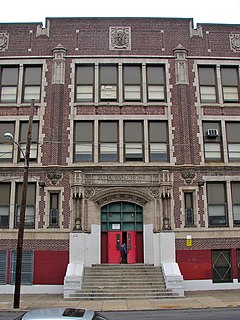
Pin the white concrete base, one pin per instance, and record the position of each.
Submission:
(199, 285)
(173, 277)
(73, 279)
(33, 289)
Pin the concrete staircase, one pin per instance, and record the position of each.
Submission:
(108, 282)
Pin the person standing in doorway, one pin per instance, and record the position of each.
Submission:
(123, 253)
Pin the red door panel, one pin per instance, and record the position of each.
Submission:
(114, 247)
(104, 247)
(131, 247)
(139, 247)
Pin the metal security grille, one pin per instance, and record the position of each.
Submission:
(238, 264)
(27, 267)
(221, 266)
(3, 267)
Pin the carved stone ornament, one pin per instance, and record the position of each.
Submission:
(235, 41)
(54, 176)
(120, 38)
(4, 40)
(188, 176)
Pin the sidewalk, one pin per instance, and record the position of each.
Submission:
(193, 299)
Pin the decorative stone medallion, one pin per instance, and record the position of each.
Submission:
(235, 41)
(4, 39)
(120, 38)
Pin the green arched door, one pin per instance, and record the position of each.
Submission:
(121, 222)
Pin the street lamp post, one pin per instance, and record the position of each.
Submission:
(26, 156)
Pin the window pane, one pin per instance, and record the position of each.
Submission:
(9, 94)
(207, 76)
(155, 75)
(236, 213)
(133, 152)
(31, 93)
(230, 94)
(158, 152)
(108, 152)
(132, 74)
(109, 92)
(212, 151)
(33, 151)
(85, 75)
(6, 127)
(234, 152)
(229, 76)
(208, 94)
(6, 152)
(84, 131)
(30, 193)
(132, 93)
(133, 131)
(108, 131)
(156, 93)
(157, 131)
(108, 74)
(29, 216)
(84, 93)
(83, 152)
(9, 76)
(33, 76)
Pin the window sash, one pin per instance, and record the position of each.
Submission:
(33, 151)
(29, 216)
(31, 92)
(132, 92)
(217, 214)
(84, 93)
(4, 215)
(234, 151)
(230, 94)
(133, 151)
(108, 92)
(158, 152)
(108, 152)
(212, 151)
(156, 92)
(84, 151)
(208, 94)
(6, 152)
(8, 94)
(236, 213)
(3, 266)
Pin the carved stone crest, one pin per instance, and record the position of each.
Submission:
(54, 176)
(188, 176)
(4, 39)
(235, 41)
(120, 38)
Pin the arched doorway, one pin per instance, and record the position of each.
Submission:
(121, 222)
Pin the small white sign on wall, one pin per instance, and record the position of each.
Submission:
(116, 226)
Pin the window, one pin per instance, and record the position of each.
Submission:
(236, 202)
(133, 140)
(23, 139)
(230, 84)
(32, 83)
(9, 84)
(3, 266)
(132, 83)
(217, 206)
(27, 267)
(5, 189)
(233, 140)
(6, 147)
(83, 141)
(108, 148)
(84, 83)
(221, 266)
(158, 141)
(30, 205)
(54, 209)
(108, 83)
(189, 210)
(207, 80)
(155, 83)
(212, 141)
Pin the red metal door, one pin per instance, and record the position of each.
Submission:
(114, 247)
(131, 247)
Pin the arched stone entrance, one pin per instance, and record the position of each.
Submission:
(121, 223)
